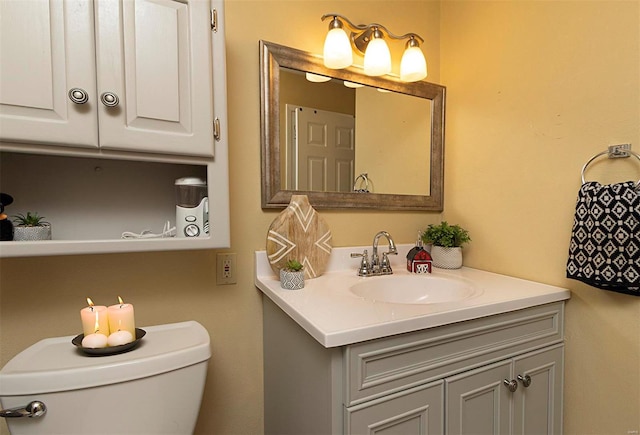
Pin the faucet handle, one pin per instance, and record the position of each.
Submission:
(364, 254)
(385, 265)
(364, 269)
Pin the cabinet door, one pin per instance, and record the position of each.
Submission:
(155, 57)
(478, 402)
(47, 49)
(538, 406)
(416, 411)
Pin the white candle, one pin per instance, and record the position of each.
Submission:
(119, 338)
(94, 319)
(121, 318)
(94, 341)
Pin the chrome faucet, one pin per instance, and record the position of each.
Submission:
(375, 266)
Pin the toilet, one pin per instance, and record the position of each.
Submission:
(155, 388)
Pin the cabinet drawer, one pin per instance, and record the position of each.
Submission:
(387, 365)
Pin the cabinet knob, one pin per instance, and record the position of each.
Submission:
(78, 96)
(512, 385)
(109, 99)
(526, 380)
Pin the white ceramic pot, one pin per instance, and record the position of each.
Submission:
(446, 258)
(23, 233)
(291, 280)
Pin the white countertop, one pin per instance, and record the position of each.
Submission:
(334, 316)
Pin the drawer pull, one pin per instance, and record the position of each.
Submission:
(526, 380)
(512, 385)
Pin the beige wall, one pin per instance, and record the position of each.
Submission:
(40, 297)
(535, 88)
(400, 123)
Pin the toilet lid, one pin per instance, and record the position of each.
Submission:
(55, 364)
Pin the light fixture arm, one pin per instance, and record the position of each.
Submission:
(361, 34)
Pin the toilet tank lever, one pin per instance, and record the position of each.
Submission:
(34, 409)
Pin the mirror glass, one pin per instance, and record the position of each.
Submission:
(349, 140)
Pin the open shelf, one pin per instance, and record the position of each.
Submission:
(90, 202)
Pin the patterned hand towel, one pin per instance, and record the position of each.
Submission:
(605, 239)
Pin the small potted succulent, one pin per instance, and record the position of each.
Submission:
(292, 275)
(446, 241)
(31, 227)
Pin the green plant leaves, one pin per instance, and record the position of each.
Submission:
(293, 265)
(30, 220)
(445, 235)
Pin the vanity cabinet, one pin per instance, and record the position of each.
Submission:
(118, 75)
(447, 379)
(481, 400)
(417, 410)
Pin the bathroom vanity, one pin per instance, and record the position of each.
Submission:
(338, 360)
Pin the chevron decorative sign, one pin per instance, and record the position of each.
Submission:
(299, 233)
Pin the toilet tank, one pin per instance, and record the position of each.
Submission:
(156, 388)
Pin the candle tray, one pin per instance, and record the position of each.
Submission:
(109, 350)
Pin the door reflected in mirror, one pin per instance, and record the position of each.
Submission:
(335, 132)
(348, 140)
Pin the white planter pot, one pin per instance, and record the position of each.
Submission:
(22, 233)
(291, 280)
(446, 258)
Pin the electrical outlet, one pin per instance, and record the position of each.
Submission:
(226, 269)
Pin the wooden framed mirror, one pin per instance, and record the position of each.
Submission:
(404, 164)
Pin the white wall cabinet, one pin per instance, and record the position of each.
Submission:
(448, 379)
(125, 75)
(137, 87)
(47, 50)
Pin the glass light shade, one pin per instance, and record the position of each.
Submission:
(353, 85)
(316, 78)
(337, 49)
(377, 58)
(413, 66)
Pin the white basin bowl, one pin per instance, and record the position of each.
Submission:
(414, 289)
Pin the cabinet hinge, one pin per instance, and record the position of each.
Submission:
(216, 129)
(214, 20)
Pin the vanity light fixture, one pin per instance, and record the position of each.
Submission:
(369, 40)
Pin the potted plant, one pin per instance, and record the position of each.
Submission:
(292, 275)
(31, 227)
(446, 241)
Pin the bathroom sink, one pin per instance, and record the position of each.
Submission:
(414, 289)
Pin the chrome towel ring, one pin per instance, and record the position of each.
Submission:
(614, 151)
(363, 187)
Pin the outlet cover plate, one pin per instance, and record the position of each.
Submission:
(226, 269)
